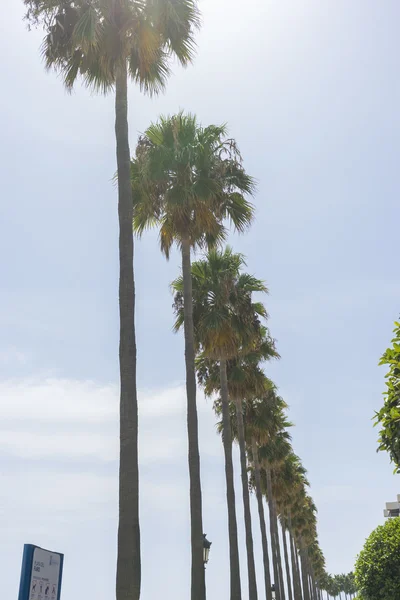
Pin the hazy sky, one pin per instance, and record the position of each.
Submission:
(310, 90)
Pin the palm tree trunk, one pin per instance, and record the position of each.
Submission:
(296, 590)
(198, 590)
(309, 578)
(236, 593)
(299, 577)
(251, 567)
(295, 573)
(273, 538)
(278, 581)
(285, 551)
(306, 588)
(313, 589)
(257, 474)
(278, 548)
(313, 584)
(128, 559)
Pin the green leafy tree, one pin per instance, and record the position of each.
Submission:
(388, 418)
(377, 571)
(187, 180)
(105, 43)
(352, 584)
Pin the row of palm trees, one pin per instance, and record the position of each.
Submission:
(232, 344)
(190, 182)
(337, 586)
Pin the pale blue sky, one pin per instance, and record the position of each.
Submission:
(311, 92)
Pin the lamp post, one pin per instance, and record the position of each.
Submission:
(206, 549)
(273, 591)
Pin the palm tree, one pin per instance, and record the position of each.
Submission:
(187, 180)
(243, 386)
(291, 478)
(304, 521)
(272, 455)
(298, 595)
(286, 558)
(105, 42)
(298, 510)
(316, 566)
(290, 484)
(246, 381)
(226, 322)
(264, 417)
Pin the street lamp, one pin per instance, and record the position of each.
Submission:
(273, 591)
(206, 549)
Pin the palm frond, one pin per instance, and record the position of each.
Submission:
(87, 31)
(146, 34)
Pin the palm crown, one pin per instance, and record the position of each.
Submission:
(91, 38)
(188, 179)
(225, 317)
(246, 378)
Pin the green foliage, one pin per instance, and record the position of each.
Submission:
(389, 415)
(378, 565)
(226, 319)
(93, 39)
(189, 180)
(335, 585)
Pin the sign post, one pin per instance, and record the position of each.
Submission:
(41, 574)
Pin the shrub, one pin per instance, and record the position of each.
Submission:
(378, 565)
(389, 415)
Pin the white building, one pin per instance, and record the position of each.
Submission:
(392, 508)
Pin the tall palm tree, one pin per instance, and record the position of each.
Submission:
(285, 484)
(290, 491)
(246, 381)
(304, 521)
(291, 482)
(226, 321)
(188, 180)
(272, 456)
(303, 535)
(264, 417)
(298, 594)
(286, 559)
(106, 42)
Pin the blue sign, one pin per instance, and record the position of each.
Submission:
(41, 574)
